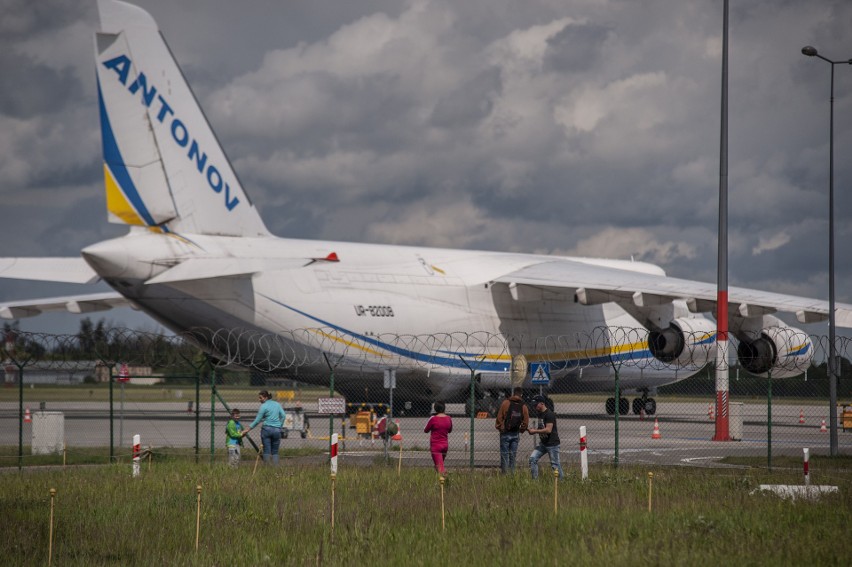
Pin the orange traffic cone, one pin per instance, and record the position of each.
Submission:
(801, 416)
(656, 433)
(710, 412)
(823, 428)
(398, 436)
(28, 418)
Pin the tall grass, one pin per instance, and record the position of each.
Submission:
(281, 517)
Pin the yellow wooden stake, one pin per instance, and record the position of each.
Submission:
(333, 479)
(399, 466)
(443, 525)
(555, 491)
(198, 518)
(650, 486)
(256, 461)
(50, 544)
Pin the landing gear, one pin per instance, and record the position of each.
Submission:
(646, 403)
(623, 406)
(487, 404)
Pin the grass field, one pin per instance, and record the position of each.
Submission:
(282, 517)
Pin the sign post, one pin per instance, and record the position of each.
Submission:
(540, 372)
(123, 378)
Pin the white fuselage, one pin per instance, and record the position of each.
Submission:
(427, 312)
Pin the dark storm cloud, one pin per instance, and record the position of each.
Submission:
(588, 128)
(32, 89)
(470, 103)
(576, 48)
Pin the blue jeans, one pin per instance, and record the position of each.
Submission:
(508, 450)
(539, 452)
(271, 439)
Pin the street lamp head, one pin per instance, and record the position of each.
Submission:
(809, 51)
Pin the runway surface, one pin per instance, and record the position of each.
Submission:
(686, 432)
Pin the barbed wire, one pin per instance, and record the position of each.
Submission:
(783, 351)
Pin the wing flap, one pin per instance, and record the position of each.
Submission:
(66, 270)
(73, 304)
(595, 283)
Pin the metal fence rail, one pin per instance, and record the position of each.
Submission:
(176, 395)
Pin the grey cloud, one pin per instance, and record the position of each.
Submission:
(576, 48)
(470, 103)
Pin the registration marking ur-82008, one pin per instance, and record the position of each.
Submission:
(374, 311)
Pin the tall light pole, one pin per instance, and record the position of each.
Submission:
(722, 370)
(832, 348)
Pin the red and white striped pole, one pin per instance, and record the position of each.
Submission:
(584, 458)
(136, 453)
(333, 474)
(334, 454)
(807, 471)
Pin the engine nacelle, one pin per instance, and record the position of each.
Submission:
(685, 342)
(785, 351)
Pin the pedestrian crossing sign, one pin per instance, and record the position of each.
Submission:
(540, 372)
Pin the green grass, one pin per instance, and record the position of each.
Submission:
(282, 516)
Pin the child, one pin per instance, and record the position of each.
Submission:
(441, 425)
(234, 438)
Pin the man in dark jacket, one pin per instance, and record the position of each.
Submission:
(512, 420)
(548, 437)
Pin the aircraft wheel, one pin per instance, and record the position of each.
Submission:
(623, 406)
(610, 406)
(304, 434)
(284, 434)
(637, 405)
(651, 406)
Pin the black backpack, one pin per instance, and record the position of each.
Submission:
(514, 417)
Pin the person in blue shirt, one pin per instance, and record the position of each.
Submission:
(272, 415)
(234, 438)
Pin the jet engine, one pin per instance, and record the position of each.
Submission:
(685, 342)
(783, 351)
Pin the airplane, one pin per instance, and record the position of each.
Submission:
(197, 256)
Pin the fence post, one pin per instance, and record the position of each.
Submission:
(198, 373)
(111, 417)
(212, 414)
(769, 420)
(20, 416)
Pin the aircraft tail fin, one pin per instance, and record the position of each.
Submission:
(163, 166)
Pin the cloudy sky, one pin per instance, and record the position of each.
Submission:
(585, 127)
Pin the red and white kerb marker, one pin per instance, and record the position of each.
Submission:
(136, 452)
(334, 453)
(807, 471)
(584, 458)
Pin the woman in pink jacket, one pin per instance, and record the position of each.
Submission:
(440, 425)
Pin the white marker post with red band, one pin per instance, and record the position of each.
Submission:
(136, 454)
(334, 454)
(333, 473)
(807, 470)
(584, 458)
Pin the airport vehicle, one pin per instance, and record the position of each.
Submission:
(198, 256)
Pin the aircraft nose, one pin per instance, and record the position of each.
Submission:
(109, 259)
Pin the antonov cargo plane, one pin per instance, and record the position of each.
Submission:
(198, 255)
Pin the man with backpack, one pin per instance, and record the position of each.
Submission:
(512, 419)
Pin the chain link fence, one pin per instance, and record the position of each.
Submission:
(642, 396)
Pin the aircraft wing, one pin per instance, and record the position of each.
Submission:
(67, 270)
(73, 304)
(600, 284)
